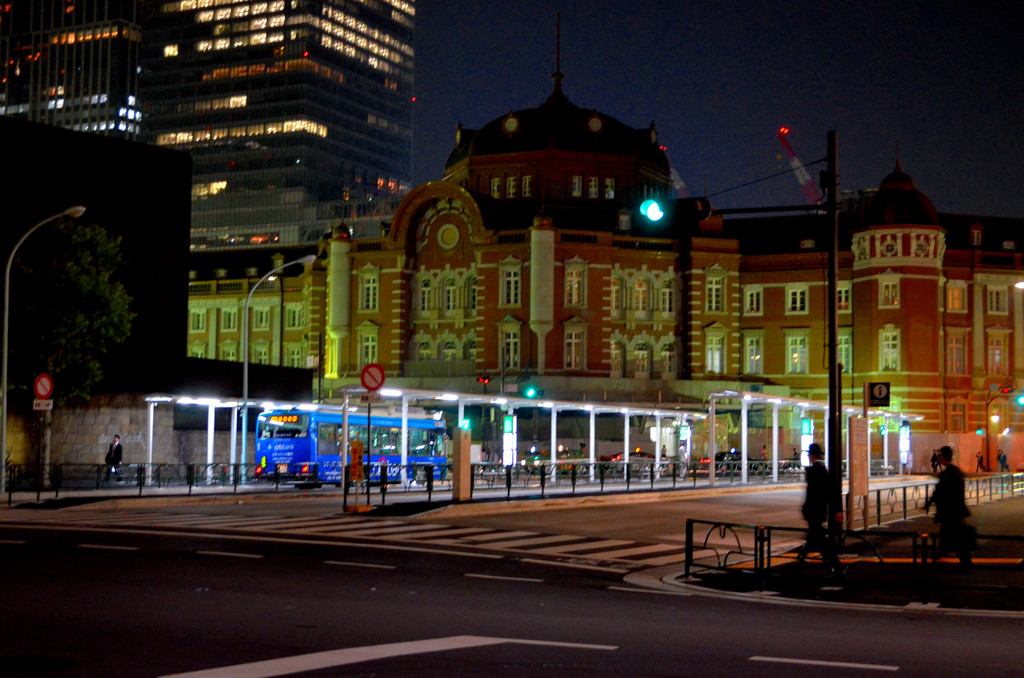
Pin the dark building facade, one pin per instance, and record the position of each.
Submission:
(72, 64)
(296, 114)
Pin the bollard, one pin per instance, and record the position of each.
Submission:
(600, 470)
(651, 470)
(629, 474)
(56, 478)
(383, 481)
(430, 481)
(572, 474)
(508, 482)
(689, 546)
(542, 476)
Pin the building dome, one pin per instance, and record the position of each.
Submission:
(899, 202)
(558, 125)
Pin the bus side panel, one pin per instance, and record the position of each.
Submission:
(329, 468)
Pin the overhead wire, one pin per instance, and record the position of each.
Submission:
(765, 178)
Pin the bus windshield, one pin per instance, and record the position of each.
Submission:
(284, 426)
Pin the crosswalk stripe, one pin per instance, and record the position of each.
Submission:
(498, 535)
(536, 541)
(640, 550)
(582, 548)
(375, 529)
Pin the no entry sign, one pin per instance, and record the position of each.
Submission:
(372, 377)
(43, 386)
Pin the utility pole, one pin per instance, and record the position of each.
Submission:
(835, 393)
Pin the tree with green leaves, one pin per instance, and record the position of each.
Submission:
(68, 311)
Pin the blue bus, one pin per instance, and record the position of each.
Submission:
(295, 444)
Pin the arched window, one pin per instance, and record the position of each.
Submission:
(641, 295)
(446, 351)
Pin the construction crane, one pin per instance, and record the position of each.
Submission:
(811, 190)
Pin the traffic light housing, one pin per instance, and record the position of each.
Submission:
(1006, 389)
(484, 379)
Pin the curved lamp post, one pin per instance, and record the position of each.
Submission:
(72, 212)
(308, 259)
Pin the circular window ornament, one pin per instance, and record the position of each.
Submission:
(511, 124)
(448, 236)
(594, 123)
(889, 247)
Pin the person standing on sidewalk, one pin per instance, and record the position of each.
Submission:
(113, 459)
(951, 511)
(815, 512)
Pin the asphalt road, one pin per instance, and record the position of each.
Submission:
(153, 602)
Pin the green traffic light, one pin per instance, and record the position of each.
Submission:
(652, 210)
(1020, 400)
(464, 425)
(531, 391)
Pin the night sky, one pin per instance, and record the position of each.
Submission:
(942, 81)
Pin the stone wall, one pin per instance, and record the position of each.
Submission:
(81, 435)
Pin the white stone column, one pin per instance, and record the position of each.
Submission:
(339, 295)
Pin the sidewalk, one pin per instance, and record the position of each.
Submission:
(995, 585)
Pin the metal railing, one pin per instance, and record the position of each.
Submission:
(747, 550)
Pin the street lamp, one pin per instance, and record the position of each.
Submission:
(73, 212)
(308, 259)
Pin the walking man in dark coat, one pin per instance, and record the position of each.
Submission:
(951, 510)
(815, 511)
(113, 459)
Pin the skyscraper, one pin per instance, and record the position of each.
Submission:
(297, 113)
(72, 64)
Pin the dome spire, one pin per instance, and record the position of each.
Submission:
(557, 76)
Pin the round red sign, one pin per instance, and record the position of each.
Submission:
(43, 386)
(372, 377)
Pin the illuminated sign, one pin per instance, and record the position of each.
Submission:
(904, 443)
(285, 418)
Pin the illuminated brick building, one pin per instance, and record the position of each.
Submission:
(531, 264)
(296, 114)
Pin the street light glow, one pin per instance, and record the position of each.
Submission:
(308, 259)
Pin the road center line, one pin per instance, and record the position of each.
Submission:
(354, 655)
(371, 565)
(229, 554)
(815, 662)
(494, 576)
(108, 547)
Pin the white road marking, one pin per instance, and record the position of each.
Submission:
(108, 547)
(372, 565)
(578, 566)
(681, 594)
(494, 576)
(815, 662)
(230, 554)
(355, 655)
